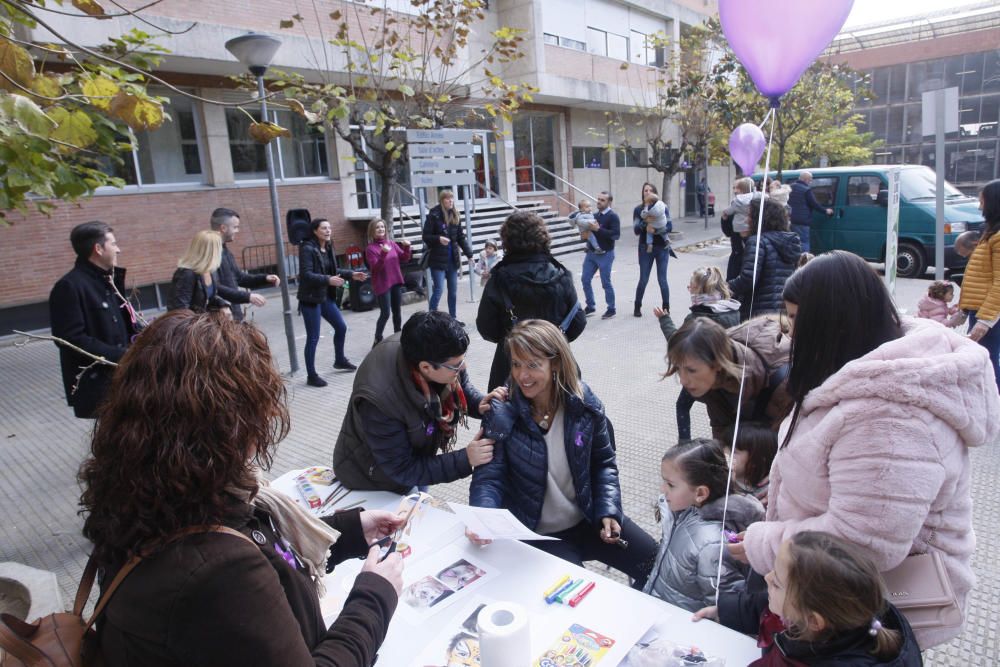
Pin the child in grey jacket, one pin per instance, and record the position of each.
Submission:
(691, 508)
(582, 219)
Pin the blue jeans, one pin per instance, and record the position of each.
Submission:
(991, 341)
(803, 232)
(390, 301)
(311, 314)
(438, 277)
(593, 263)
(661, 256)
(683, 409)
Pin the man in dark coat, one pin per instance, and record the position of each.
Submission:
(803, 202)
(87, 308)
(234, 283)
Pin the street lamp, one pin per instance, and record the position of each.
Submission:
(255, 51)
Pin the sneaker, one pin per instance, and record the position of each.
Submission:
(344, 365)
(609, 313)
(589, 310)
(315, 381)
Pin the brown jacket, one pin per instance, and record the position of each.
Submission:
(215, 600)
(981, 283)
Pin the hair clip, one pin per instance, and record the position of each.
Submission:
(876, 626)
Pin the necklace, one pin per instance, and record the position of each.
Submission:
(543, 423)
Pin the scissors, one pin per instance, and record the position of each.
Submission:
(389, 542)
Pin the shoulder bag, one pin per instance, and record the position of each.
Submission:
(921, 590)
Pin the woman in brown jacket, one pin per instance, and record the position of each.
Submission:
(980, 297)
(195, 406)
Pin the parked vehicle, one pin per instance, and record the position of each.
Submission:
(859, 199)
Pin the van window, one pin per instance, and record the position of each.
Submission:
(863, 190)
(825, 190)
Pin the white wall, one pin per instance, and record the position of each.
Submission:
(570, 18)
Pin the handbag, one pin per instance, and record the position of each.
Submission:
(920, 588)
(64, 639)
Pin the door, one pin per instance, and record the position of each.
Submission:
(824, 228)
(862, 221)
(487, 179)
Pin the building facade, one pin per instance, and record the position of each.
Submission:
(553, 150)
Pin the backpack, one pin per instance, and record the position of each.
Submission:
(64, 639)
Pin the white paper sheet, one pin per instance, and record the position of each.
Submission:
(494, 524)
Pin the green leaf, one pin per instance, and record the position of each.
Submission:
(26, 114)
(406, 90)
(72, 127)
(100, 90)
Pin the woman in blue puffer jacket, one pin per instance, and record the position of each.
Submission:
(554, 463)
(780, 249)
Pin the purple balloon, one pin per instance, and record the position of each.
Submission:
(776, 42)
(746, 145)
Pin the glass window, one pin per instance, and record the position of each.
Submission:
(894, 134)
(916, 184)
(968, 116)
(964, 169)
(989, 109)
(880, 85)
(617, 46)
(861, 79)
(588, 157)
(878, 122)
(550, 39)
(572, 44)
(638, 51)
(913, 129)
(972, 74)
(633, 157)
(863, 190)
(953, 68)
(916, 73)
(534, 144)
(991, 71)
(304, 154)
(825, 190)
(248, 156)
(897, 83)
(597, 42)
(987, 160)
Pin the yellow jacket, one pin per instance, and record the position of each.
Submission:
(981, 284)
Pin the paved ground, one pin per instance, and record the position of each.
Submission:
(42, 445)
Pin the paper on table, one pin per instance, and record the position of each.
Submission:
(494, 524)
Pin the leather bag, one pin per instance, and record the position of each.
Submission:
(921, 589)
(64, 639)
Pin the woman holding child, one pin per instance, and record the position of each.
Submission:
(651, 223)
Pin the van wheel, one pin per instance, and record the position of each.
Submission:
(910, 261)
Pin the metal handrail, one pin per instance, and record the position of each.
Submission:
(558, 179)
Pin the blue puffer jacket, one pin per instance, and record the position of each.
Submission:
(779, 254)
(515, 478)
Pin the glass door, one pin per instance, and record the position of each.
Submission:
(485, 146)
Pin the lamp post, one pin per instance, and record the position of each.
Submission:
(255, 52)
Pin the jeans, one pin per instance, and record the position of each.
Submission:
(583, 542)
(735, 264)
(311, 314)
(438, 277)
(391, 300)
(661, 256)
(803, 232)
(593, 263)
(991, 341)
(683, 409)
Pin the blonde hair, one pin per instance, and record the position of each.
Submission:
(370, 233)
(582, 203)
(450, 215)
(204, 253)
(709, 280)
(540, 338)
(744, 185)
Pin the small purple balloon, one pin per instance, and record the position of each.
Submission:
(776, 42)
(746, 145)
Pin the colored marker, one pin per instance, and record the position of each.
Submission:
(565, 594)
(559, 584)
(562, 589)
(582, 594)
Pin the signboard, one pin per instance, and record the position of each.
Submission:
(928, 112)
(438, 150)
(442, 180)
(455, 136)
(442, 164)
(892, 231)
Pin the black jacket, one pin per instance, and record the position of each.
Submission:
(779, 255)
(803, 202)
(214, 599)
(232, 280)
(539, 287)
(85, 311)
(315, 268)
(516, 477)
(610, 231)
(191, 292)
(434, 228)
(639, 227)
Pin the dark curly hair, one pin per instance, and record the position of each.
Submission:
(195, 402)
(524, 233)
(939, 289)
(775, 216)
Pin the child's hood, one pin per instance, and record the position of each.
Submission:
(741, 512)
(722, 305)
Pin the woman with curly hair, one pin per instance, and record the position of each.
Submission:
(527, 283)
(195, 406)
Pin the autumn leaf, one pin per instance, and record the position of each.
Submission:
(138, 113)
(90, 8)
(46, 86)
(264, 133)
(301, 110)
(100, 90)
(286, 23)
(16, 64)
(72, 127)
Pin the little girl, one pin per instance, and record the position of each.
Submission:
(487, 259)
(710, 297)
(691, 507)
(823, 606)
(582, 219)
(936, 304)
(754, 451)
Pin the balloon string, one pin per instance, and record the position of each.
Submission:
(746, 344)
(770, 112)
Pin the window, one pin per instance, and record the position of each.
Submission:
(550, 39)
(572, 44)
(825, 190)
(639, 50)
(303, 155)
(534, 145)
(617, 46)
(897, 83)
(632, 157)
(863, 190)
(589, 158)
(895, 133)
(602, 43)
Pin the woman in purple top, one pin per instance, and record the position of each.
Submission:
(385, 257)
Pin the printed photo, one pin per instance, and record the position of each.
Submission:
(459, 574)
(425, 593)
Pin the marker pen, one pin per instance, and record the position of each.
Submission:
(562, 589)
(564, 596)
(582, 594)
(559, 584)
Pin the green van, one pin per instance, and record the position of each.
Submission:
(859, 198)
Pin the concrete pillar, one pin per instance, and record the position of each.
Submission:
(215, 136)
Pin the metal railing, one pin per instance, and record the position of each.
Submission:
(558, 179)
(261, 258)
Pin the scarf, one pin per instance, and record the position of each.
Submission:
(448, 409)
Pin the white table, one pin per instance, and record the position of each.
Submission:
(519, 573)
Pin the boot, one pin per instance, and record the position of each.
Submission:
(638, 309)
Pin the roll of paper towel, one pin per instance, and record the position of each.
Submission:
(504, 635)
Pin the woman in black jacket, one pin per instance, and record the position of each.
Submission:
(527, 283)
(318, 278)
(196, 280)
(780, 249)
(444, 238)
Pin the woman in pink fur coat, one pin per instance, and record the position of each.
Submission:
(876, 449)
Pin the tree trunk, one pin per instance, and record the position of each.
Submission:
(665, 188)
(385, 196)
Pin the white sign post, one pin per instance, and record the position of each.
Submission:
(939, 116)
(444, 158)
(892, 231)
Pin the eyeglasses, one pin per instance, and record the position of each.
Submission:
(453, 369)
